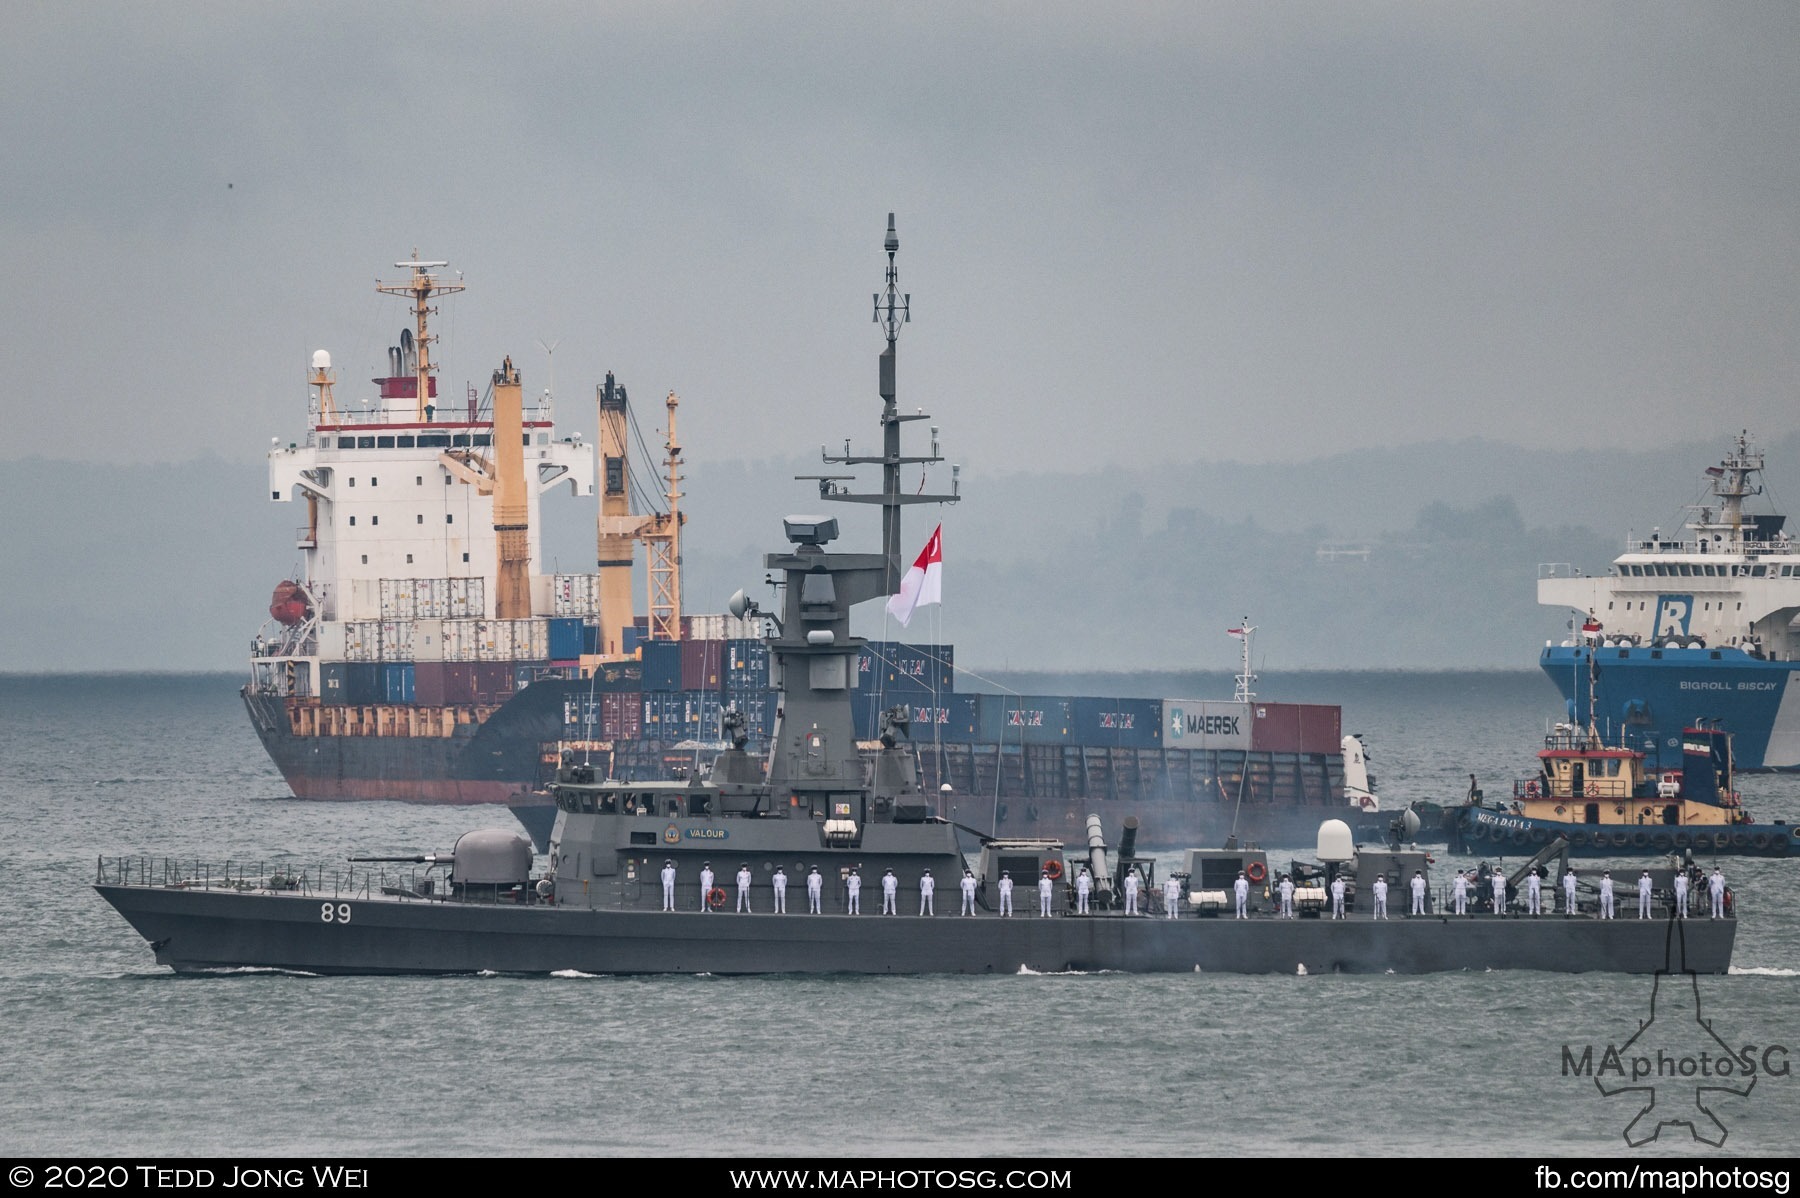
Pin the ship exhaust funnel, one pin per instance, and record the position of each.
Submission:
(512, 514)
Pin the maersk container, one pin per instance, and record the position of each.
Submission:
(662, 665)
(1023, 719)
(397, 682)
(702, 665)
(1117, 723)
(1216, 724)
(1297, 728)
(565, 637)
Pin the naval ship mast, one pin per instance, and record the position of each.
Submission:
(813, 757)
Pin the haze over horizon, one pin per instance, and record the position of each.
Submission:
(1141, 242)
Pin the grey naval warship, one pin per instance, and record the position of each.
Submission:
(818, 808)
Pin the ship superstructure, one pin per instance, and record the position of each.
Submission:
(420, 583)
(1693, 628)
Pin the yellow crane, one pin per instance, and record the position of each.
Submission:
(619, 529)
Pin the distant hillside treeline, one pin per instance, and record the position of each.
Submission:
(169, 567)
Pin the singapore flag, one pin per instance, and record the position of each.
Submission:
(924, 583)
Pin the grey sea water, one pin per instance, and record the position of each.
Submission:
(106, 1054)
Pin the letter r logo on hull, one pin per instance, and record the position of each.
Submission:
(1672, 615)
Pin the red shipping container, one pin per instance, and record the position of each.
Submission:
(702, 665)
(1296, 728)
(430, 683)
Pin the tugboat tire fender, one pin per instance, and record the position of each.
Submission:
(1780, 846)
(1740, 840)
(1620, 839)
(1578, 840)
(1760, 840)
(1681, 840)
(1518, 836)
(1540, 836)
(1661, 842)
(1640, 840)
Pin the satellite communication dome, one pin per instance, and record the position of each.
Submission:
(321, 359)
(1335, 841)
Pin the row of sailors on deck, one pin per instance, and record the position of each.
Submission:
(711, 896)
(1463, 883)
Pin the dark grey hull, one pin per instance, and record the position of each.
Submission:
(194, 931)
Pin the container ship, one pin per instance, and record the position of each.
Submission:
(1689, 630)
(420, 656)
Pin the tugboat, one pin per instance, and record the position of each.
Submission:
(1612, 800)
(686, 877)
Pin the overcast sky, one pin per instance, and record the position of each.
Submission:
(1132, 233)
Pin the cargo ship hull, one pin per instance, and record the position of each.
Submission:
(1656, 692)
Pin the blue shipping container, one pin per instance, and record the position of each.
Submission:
(662, 665)
(746, 665)
(1024, 719)
(333, 680)
(891, 666)
(397, 682)
(363, 683)
(566, 637)
(1118, 723)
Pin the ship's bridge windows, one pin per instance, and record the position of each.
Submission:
(460, 439)
(365, 442)
(384, 442)
(484, 439)
(434, 441)
(346, 442)
(1758, 571)
(405, 442)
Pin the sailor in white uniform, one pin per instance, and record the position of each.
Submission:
(1568, 881)
(706, 886)
(1380, 889)
(890, 893)
(1005, 893)
(1606, 894)
(1459, 890)
(778, 884)
(1337, 897)
(1418, 893)
(1681, 894)
(1286, 890)
(1644, 895)
(1172, 897)
(968, 893)
(743, 881)
(815, 886)
(1534, 893)
(1131, 892)
(668, 881)
(1045, 889)
(1715, 886)
(853, 893)
(927, 888)
(1499, 883)
(1240, 890)
(1084, 886)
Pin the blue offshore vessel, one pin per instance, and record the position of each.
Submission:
(1693, 629)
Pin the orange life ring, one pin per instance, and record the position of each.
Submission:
(715, 897)
(1367, 802)
(1255, 871)
(1531, 789)
(1054, 869)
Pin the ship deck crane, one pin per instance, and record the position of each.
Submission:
(619, 529)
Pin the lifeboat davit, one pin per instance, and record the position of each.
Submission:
(289, 604)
